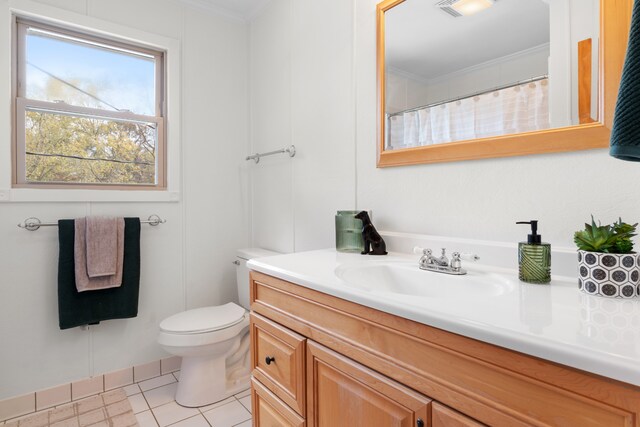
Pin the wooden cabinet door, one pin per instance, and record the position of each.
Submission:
(343, 393)
(447, 417)
(278, 360)
(269, 411)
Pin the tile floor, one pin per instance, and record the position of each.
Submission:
(110, 409)
(153, 403)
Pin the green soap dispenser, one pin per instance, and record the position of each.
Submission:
(534, 257)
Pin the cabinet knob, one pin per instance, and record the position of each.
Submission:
(419, 423)
(269, 359)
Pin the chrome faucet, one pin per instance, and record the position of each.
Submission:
(442, 264)
(443, 260)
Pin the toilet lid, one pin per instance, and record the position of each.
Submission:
(206, 319)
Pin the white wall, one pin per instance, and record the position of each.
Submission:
(404, 91)
(302, 94)
(474, 199)
(187, 261)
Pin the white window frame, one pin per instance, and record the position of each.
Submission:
(23, 104)
(168, 188)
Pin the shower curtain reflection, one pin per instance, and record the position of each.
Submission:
(517, 109)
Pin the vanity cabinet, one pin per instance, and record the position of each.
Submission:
(345, 393)
(338, 363)
(278, 361)
(340, 391)
(269, 411)
(447, 417)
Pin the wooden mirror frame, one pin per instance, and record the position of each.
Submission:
(615, 18)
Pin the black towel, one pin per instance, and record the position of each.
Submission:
(90, 307)
(625, 135)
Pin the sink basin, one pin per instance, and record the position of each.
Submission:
(407, 279)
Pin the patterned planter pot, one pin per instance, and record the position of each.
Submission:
(609, 275)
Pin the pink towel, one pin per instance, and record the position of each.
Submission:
(102, 245)
(94, 244)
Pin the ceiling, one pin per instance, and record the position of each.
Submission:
(426, 42)
(241, 9)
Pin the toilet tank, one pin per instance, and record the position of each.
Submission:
(242, 272)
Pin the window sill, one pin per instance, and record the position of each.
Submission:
(18, 195)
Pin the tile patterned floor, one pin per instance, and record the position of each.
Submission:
(153, 403)
(111, 409)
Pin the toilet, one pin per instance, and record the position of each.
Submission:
(213, 343)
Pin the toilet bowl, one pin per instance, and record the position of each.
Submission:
(213, 343)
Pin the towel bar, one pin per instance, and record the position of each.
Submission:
(33, 223)
(290, 150)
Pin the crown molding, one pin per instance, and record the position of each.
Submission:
(443, 77)
(408, 75)
(496, 61)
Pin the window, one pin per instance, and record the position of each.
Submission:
(88, 111)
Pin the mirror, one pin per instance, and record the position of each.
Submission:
(465, 79)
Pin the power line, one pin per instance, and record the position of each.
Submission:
(89, 158)
(73, 86)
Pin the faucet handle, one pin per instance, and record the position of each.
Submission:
(456, 264)
(421, 251)
(469, 257)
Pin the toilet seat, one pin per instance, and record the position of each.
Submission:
(203, 326)
(202, 320)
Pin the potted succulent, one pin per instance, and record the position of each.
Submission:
(607, 264)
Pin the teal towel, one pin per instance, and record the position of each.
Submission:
(625, 135)
(90, 307)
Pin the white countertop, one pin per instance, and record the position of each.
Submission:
(555, 322)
